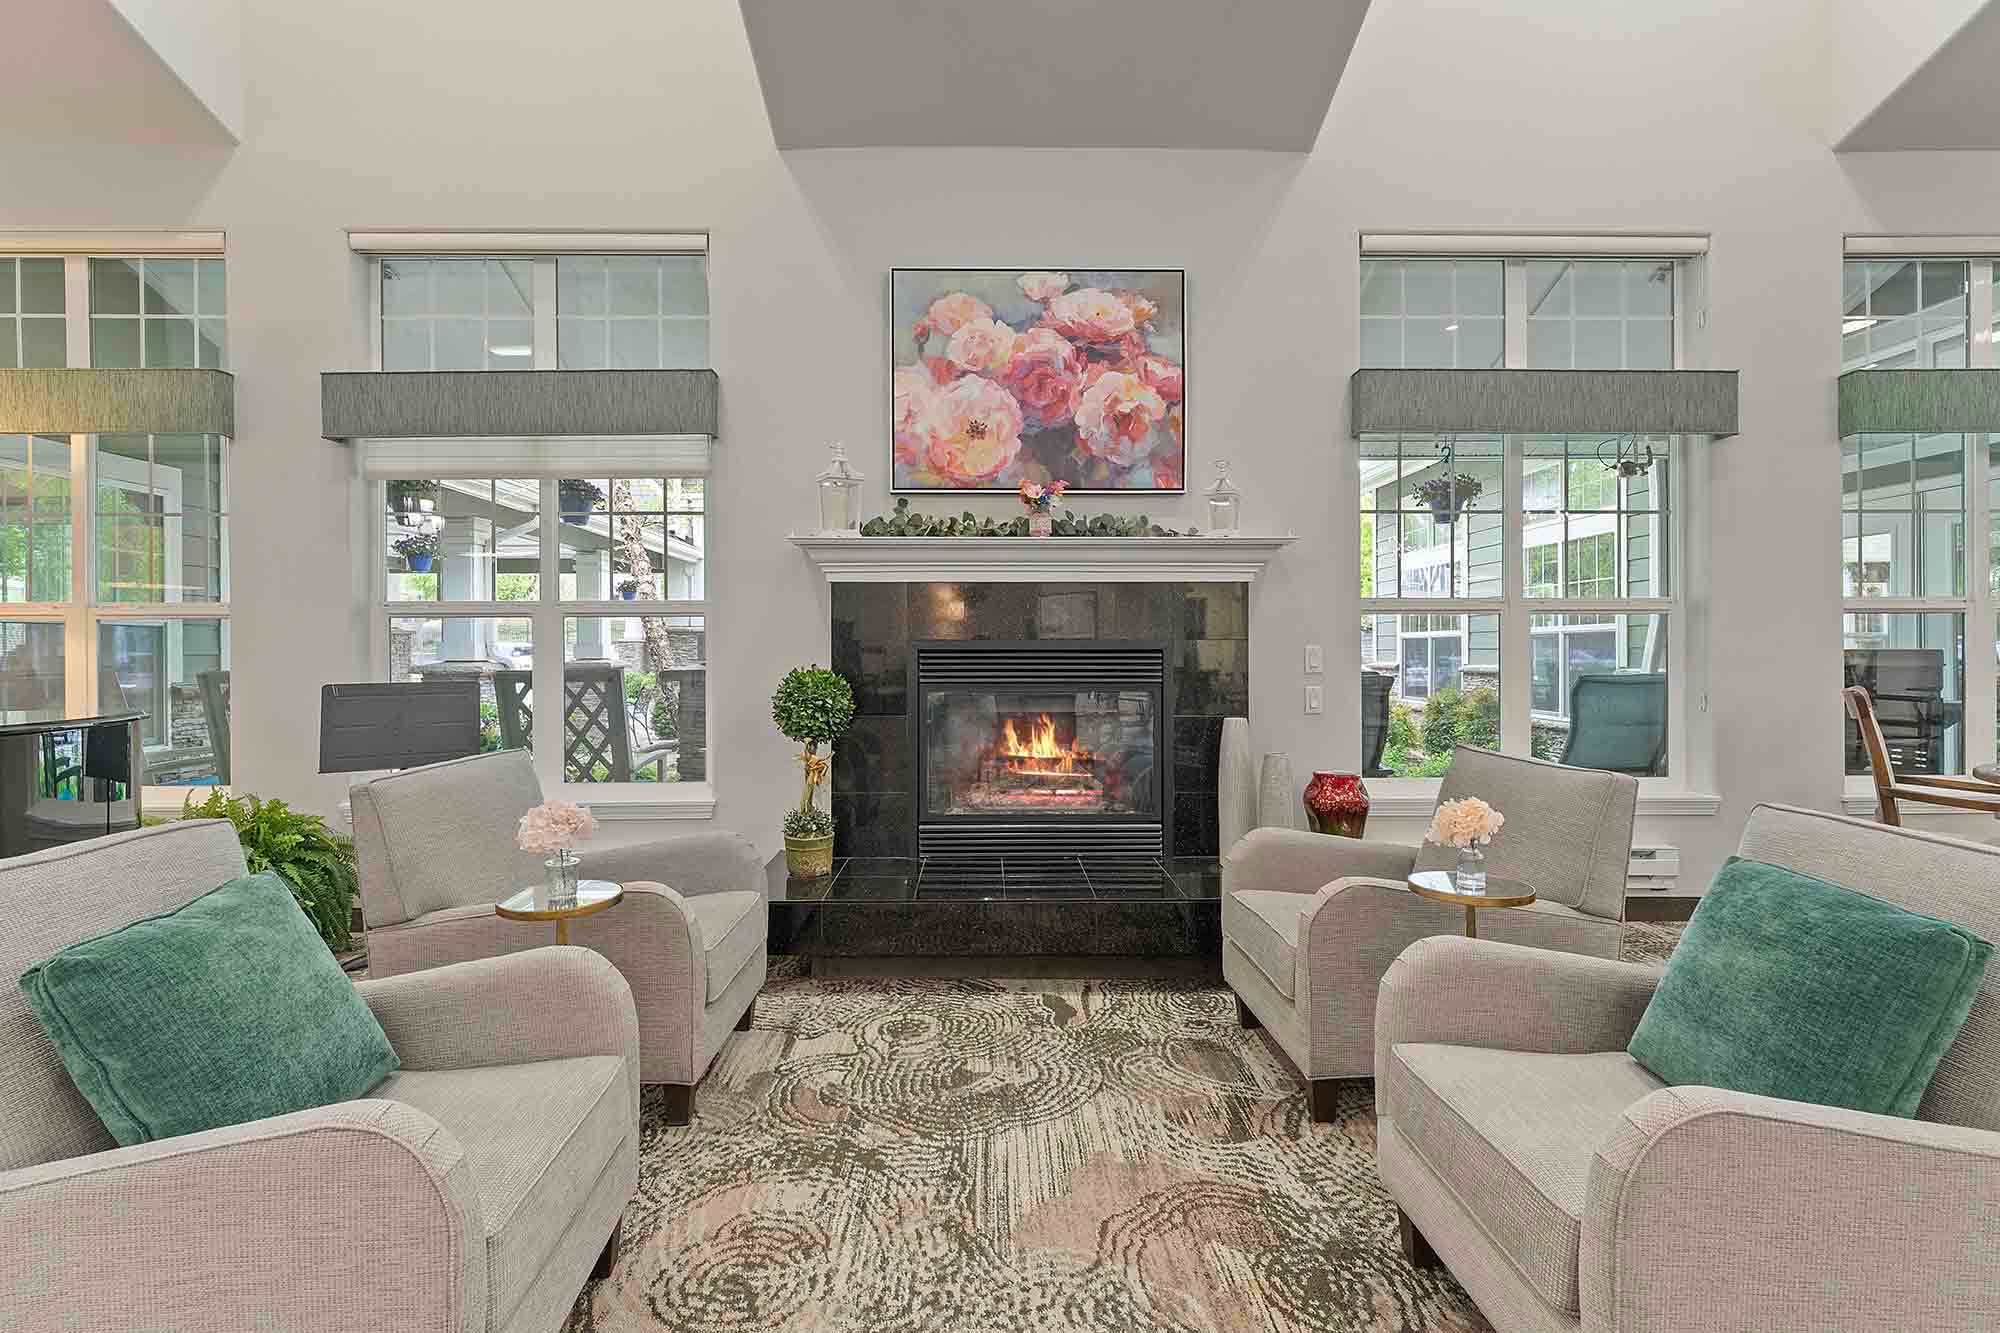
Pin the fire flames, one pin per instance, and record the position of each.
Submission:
(1040, 751)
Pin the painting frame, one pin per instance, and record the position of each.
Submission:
(1162, 338)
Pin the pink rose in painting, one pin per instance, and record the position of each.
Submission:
(1044, 375)
(914, 390)
(974, 430)
(948, 314)
(1143, 310)
(1116, 415)
(1043, 287)
(1090, 316)
(1162, 375)
(981, 346)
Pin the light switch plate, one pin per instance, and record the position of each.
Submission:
(1315, 699)
(1315, 660)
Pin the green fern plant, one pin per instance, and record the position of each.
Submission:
(315, 861)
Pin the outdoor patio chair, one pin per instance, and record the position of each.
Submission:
(597, 730)
(1618, 722)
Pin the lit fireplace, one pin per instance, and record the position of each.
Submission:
(1055, 748)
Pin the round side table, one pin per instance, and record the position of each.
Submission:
(592, 897)
(1440, 887)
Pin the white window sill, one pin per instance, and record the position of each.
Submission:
(1415, 798)
(613, 801)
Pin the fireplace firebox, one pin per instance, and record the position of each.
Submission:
(1052, 748)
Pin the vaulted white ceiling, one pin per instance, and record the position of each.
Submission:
(1915, 74)
(121, 71)
(1255, 74)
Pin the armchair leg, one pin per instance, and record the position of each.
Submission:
(1415, 1248)
(609, 1255)
(677, 1102)
(749, 1019)
(1325, 1093)
(1244, 1017)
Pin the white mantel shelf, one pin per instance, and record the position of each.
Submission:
(1041, 559)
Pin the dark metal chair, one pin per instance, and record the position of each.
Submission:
(1906, 688)
(596, 731)
(1376, 689)
(1618, 722)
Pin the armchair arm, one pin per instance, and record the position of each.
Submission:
(1298, 862)
(544, 1004)
(1714, 1209)
(692, 864)
(1485, 993)
(362, 1214)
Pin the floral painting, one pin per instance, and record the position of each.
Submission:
(1005, 376)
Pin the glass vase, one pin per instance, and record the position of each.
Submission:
(1041, 523)
(1470, 876)
(561, 870)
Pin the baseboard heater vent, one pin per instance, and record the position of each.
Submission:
(1653, 869)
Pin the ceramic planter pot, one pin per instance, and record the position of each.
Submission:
(1337, 803)
(808, 858)
(575, 509)
(419, 564)
(629, 594)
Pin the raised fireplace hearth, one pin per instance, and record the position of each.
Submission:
(1041, 748)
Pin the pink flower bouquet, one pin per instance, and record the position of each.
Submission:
(1039, 498)
(1006, 378)
(1464, 823)
(554, 826)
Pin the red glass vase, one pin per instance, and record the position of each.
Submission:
(1337, 803)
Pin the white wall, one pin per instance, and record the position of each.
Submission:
(1559, 114)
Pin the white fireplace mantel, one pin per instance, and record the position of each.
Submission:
(1237, 559)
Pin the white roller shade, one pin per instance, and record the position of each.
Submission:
(567, 456)
(1900, 247)
(528, 242)
(1503, 245)
(110, 241)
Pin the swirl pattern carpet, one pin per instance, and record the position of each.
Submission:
(927, 1155)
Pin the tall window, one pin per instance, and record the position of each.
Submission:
(1517, 590)
(1920, 555)
(574, 593)
(114, 549)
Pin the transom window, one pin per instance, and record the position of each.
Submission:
(1518, 590)
(118, 599)
(542, 312)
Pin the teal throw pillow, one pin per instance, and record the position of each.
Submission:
(1789, 986)
(226, 1010)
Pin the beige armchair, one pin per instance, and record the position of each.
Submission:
(436, 849)
(1567, 1188)
(473, 1189)
(1310, 922)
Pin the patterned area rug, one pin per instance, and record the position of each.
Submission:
(915, 1155)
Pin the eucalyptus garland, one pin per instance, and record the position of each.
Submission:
(903, 523)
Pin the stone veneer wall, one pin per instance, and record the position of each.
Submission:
(1206, 627)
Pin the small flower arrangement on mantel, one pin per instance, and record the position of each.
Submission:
(1040, 500)
(418, 550)
(1446, 496)
(1467, 824)
(905, 523)
(552, 829)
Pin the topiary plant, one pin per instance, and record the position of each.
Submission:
(812, 706)
(317, 862)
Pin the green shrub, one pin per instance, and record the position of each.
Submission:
(316, 862)
(1479, 718)
(813, 707)
(1547, 742)
(1441, 721)
(1402, 737)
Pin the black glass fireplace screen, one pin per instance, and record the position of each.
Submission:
(1081, 752)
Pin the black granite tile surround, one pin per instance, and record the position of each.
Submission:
(905, 907)
(1205, 625)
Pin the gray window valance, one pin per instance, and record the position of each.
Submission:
(460, 403)
(117, 402)
(1544, 402)
(1920, 401)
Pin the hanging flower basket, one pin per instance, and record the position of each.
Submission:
(577, 499)
(1447, 496)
